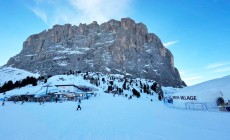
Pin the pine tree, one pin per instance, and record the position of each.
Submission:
(23, 83)
(10, 85)
(111, 82)
(34, 81)
(40, 78)
(154, 87)
(145, 89)
(110, 88)
(4, 87)
(130, 82)
(124, 85)
(141, 84)
(97, 83)
(136, 93)
(17, 84)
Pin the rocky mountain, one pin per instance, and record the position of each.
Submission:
(122, 47)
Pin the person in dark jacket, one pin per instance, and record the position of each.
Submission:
(56, 99)
(79, 105)
(3, 103)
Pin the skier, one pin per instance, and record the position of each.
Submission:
(3, 103)
(43, 100)
(79, 104)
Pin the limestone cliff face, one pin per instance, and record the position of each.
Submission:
(122, 47)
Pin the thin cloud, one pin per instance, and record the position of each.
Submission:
(170, 43)
(80, 11)
(217, 65)
(192, 78)
(220, 70)
(40, 13)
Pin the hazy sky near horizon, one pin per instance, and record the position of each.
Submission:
(197, 32)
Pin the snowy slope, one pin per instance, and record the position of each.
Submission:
(109, 118)
(207, 90)
(106, 117)
(67, 79)
(202, 96)
(40, 89)
(14, 74)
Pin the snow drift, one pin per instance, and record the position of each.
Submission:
(206, 93)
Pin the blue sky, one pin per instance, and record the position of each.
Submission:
(197, 32)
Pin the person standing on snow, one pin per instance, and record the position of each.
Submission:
(79, 104)
(3, 103)
(56, 99)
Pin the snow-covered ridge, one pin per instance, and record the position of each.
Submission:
(78, 80)
(14, 74)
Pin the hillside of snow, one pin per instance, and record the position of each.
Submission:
(106, 116)
(216, 85)
(14, 74)
(40, 89)
(206, 90)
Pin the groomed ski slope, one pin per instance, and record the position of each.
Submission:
(106, 117)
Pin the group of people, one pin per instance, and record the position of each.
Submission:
(78, 106)
(56, 100)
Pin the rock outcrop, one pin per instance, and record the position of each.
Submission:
(122, 47)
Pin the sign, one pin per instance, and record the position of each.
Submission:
(184, 97)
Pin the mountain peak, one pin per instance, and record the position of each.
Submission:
(123, 47)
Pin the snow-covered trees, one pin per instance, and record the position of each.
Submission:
(136, 93)
(18, 84)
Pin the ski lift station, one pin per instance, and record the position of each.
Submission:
(74, 90)
(50, 93)
(69, 91)
(213, 94)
